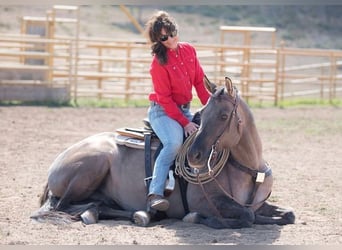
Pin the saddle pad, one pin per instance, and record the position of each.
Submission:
(131, 133)
(132, 142)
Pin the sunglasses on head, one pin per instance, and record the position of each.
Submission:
(164, 38)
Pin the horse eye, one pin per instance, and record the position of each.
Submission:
(224, 116)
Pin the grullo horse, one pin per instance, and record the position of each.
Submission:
(227, 181)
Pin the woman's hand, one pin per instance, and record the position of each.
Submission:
(190, 128)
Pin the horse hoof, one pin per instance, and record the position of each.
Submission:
(290, 217)
(90, 217)
(141, 218)
(192, 217)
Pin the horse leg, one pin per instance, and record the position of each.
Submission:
(233, 215)
(93, 215)
(214, 221)
(65, 200)
(271, 214)
(102, 212)
(140, 218)
(108, 209)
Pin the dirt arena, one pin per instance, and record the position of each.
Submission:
(303, 146)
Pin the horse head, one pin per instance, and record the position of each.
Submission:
(221, 126)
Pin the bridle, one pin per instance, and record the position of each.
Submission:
(233, 113)
(194, 176)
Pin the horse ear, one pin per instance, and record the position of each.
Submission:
(211, 87)
(229, 86)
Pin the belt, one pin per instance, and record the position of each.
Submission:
(183, 106)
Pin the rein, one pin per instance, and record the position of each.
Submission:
(227, 127)
(257, 182)
(197, 176)
(232, 114)
(194, 175)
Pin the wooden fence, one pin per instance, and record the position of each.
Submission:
(27, 66)
(107, 68)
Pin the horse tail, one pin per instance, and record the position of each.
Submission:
(44, 197)
(48, 212)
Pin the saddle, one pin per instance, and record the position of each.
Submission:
(145, 139)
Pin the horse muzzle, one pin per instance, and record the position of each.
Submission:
(197, 158)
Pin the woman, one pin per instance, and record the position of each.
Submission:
(175, 69)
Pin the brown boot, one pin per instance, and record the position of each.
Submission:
(158, 202)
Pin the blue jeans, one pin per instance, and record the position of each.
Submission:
(171, 135)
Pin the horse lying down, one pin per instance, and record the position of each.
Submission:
(227, 180)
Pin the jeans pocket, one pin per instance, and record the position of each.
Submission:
(155, 111)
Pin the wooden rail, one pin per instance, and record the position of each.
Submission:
(106, 68)
(27, 67)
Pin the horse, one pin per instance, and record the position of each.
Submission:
(223, 180)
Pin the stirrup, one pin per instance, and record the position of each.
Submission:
(170, 184)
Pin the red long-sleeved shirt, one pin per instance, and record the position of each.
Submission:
(173, 81)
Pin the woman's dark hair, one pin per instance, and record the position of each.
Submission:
(154, 25)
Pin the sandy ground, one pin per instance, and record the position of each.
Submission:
(303, 146)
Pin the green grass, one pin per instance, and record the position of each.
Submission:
(81, 102)
(112, 103)
(298, 102)
(36, 103)
(310, 102)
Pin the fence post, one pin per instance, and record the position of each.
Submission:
(332, 78)
(221, 51)
(246, 66)
(282, 69)
(217, 68)
(321, 80)
(69, 61)
(276, 79)
(99, 69)
(72, 69)
(128, 72)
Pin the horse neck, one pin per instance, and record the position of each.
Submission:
(248, 151)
